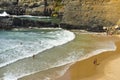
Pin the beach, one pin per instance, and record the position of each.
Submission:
(102, 66)
(59, 40)
(106, 69)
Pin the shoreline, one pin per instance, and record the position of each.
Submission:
(79, 69)
(88, 70)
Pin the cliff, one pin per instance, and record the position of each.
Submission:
(20, 7)
(92, 13)
(32, 7)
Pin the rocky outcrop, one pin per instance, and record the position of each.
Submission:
(92, 13)
(6, 23)
(9, 22)
(26, 23)
(20, 7)
(32, 7)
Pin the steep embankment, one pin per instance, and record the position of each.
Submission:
(92, 12)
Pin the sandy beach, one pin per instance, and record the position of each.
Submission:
(104, 66)
(107, 67)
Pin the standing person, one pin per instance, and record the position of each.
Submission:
(96, 61)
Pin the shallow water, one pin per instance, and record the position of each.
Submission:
(20, 44)
(82, 47)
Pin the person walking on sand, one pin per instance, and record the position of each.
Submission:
(33, 56)
(21, 43)
(95, 62)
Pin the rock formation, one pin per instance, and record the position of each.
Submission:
(92, 13)
(20, 7)
(9, 22)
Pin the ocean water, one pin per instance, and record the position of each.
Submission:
(23, 43)
(18, 47)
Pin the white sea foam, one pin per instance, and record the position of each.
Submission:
(108, 46)
(75, 56)
(10, 77)
(4, 14)
(30, 16)
(20, 45)
(14, 50)
(78, 56)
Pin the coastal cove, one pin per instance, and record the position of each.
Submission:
(59, 39)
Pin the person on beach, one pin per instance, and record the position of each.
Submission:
(33, 56)
(21, 43)
(111, 30)
(95, 62)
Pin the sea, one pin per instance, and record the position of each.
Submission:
(28, 51)
(23, 43)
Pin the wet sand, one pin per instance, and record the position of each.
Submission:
(107, 67)
(104, 66)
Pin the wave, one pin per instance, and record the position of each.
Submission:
(75, 58)
(30, 16)
(26, 16)
(72, 58)
(30, 48)
(4, 14)
(109, 46)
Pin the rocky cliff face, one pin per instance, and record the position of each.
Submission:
(32, 7)
(92, 12)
